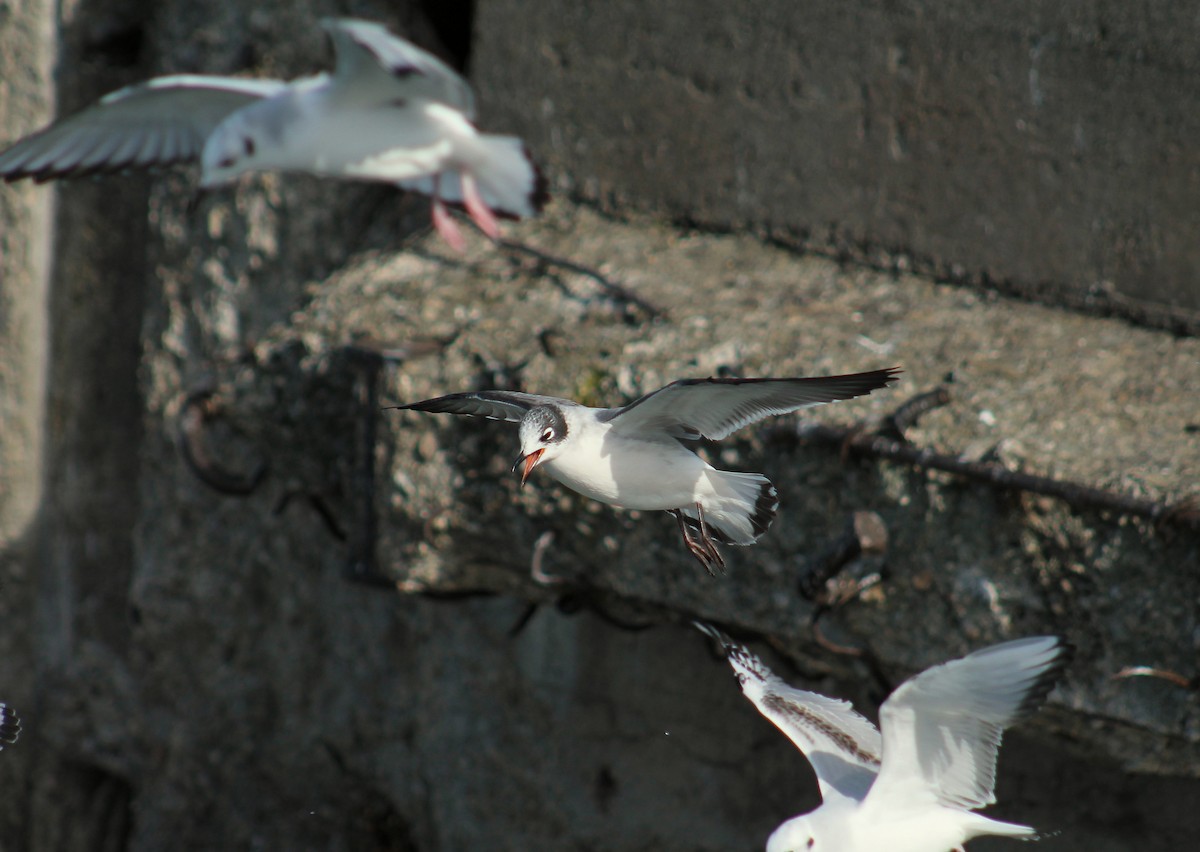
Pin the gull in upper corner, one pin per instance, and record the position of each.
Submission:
(389, 112)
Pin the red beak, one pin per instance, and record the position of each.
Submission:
(530, 462)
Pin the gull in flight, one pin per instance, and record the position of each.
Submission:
(389, 112)
(10, 726)
(634, 456)
(915, 787)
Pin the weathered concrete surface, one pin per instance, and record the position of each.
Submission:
(195, 669)
(25, 52)
(25, 217)
(1048, 148)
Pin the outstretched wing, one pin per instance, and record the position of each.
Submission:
(714, 408)
(156, 123)
(494, 405)
(842, 746)
(10, 726)
(942, 728)
(376, 65)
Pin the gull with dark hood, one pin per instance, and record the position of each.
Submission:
(633, 456)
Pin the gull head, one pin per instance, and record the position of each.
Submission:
(795, 835)
(230, 152)
(543, 430)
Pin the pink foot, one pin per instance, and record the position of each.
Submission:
(477, 209)
(445, 225)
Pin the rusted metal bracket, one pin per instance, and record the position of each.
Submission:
(199, 409)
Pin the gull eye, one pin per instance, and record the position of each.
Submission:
(812, 841)
(248, 145)
(547, 436)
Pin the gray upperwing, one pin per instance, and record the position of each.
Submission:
(716, 408)
(494, 405)
(374, 64)
(156, 123)
(942, 727)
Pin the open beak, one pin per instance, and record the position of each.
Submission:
(529, 462)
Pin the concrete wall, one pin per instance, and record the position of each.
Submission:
(1048, 148)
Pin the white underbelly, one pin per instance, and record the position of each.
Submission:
(644, 476)
(931, 828)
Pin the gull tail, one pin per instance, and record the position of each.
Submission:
(979, 826)
(739, 509)
(510, 182)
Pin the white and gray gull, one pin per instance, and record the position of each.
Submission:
(634, 456)
(389, 112)
(913, 787)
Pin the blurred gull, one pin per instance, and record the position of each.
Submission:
(389, 112)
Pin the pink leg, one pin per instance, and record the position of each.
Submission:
(444, 223)
(477, 209)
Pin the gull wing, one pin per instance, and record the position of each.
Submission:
(156, 123)
(942, 728)
(10, 726)
(842, 746)
(494, 405)
(714, 408)
(373, 64)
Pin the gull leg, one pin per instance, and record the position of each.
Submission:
(692, 545)
(707, 539)
(444, 222)
(477, 209)
(703, 548)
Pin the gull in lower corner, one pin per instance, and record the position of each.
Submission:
(915, 786)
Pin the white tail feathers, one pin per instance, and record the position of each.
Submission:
(980, 826)
(508, 180)
(740, 508)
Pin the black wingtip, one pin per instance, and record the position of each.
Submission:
(765, 509)
(52, 172)
(10, 726)
(433, 405)
(722, 640)
(1046, 680)
(861, 384)
(539, 195)
(706, 628)
(884, 377)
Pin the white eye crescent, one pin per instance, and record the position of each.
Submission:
(547, 435)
